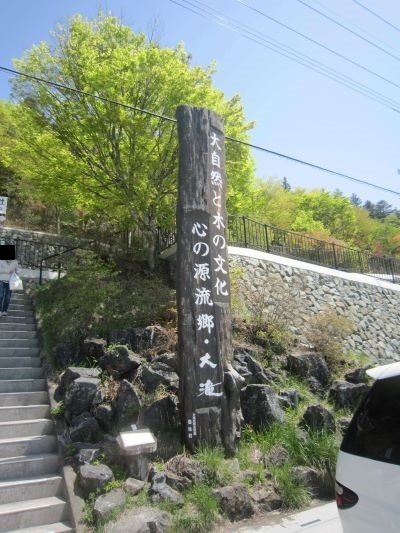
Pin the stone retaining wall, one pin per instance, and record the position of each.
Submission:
(372, 304)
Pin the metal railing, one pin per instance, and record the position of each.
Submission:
(247, 233)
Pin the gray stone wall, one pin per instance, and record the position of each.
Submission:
(372, 304)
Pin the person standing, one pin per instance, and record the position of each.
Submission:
(7, 267)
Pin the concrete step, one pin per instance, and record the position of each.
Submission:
(17, 318)
(6, 325)
(26, 428)
(8, 399)
(59, 527)
(17, 313)
(28, 446)
(20, 306)
(19, 362)
(19, 352)
(24, 412)
(14, 490)
(28, 466)
(17, 334)
(22, 385)
(19, 372)
(14, 516)
(6, 342)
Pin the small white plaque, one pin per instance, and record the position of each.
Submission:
(138, 441)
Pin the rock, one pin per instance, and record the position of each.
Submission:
(176, 482)
(161, 492)
(84, 428)
(120, 361)
(127, 404)
(313, 480)
(93, 477)
(318, 418)
(359, 375)
(235, 501)
(86, 454)
(260, 406)
(138, 466)
(141, 339)
(79, 396)
(170, 359)
(309, 365)
(343, 423)
(161, 414)
(154, 376)
(277, 456)
(105, 416)
(142, 520)
(250, 369)
(289, 398)
(115, 499)
(315, 386)
(93, 348)
(187, 467)
(134, 486)
(266, 498)
(345, 394)
(65, 353)
(71, 374)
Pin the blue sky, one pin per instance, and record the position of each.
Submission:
(297, 111)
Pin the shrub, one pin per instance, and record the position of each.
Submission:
(326, 331)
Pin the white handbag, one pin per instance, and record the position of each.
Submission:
(15, 282)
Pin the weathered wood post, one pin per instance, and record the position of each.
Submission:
(209, 386)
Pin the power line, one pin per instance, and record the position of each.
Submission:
(312, 165)
(84, 93)
(349, 30)
(376, 15)
(231, 139)
(352, 23)
(321, 45)
(287, 52)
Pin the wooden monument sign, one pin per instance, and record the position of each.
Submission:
(209, 387)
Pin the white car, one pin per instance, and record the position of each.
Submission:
(368, 467)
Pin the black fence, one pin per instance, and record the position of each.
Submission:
(247, 233)
(42, 255)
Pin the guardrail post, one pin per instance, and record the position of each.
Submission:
(335, 261)
(41, 272)
(244, 232)
(360, 262)
(266, 237)
(391, 269)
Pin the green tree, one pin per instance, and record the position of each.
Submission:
(333, 211)
(120, 161)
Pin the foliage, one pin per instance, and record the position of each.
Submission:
(262, 313)
(326, 331)
(115, 162)
(313, 449)
(70, 307)
(58, 410)
(218, 468)
(200, 511)
(93, 298)
(293, 493)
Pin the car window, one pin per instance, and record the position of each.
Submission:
(374, 431)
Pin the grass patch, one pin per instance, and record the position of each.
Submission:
(200, 513)
(294, 494)
(219, 471)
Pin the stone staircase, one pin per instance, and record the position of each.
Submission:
(31, 486)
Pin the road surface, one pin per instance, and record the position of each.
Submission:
(320, 519)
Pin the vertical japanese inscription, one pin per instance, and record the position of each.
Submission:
(203, 276)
